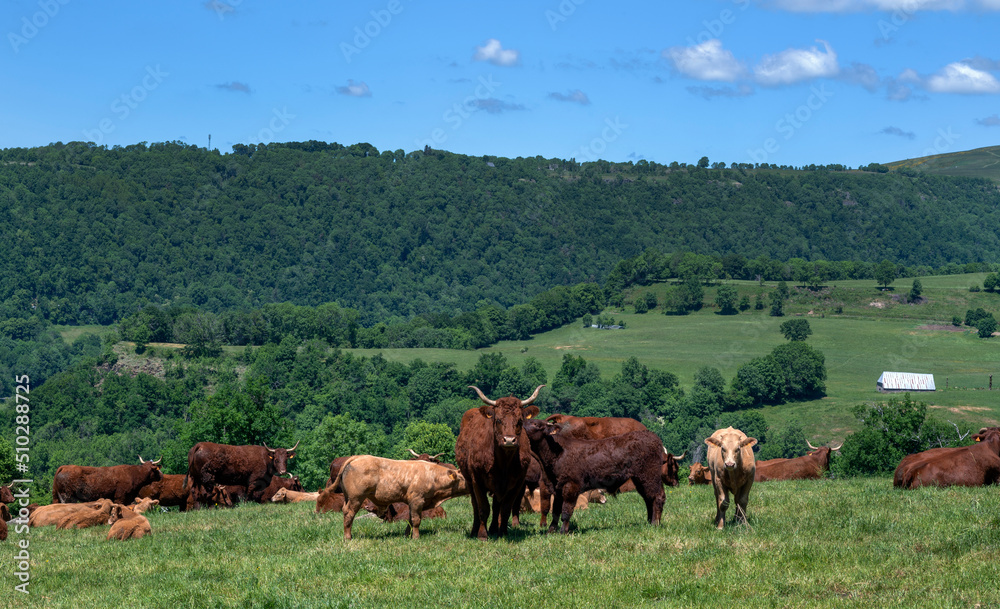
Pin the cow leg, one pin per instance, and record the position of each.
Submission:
(557, 506)
(413, 528)
(722, 504)
(516, 506)
(653, 497)
(741, 503)
(545, 500)
(480, 510)
(570, 493)
(350, 509)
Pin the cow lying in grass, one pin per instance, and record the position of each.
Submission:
(286, 496)
(49, 515)
(127, 524)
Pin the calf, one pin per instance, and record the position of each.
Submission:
(126, 524)
(48, 515)
(141, 506)
(278, 483)
(574, 465)
(286, 496)
(400, 511)
(85, 517)
(420, 484)
(699, 474)
(329, 500)
(169, 491)
(730, 459)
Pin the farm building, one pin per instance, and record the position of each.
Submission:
(905, 381)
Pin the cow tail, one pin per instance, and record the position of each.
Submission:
(340, 474)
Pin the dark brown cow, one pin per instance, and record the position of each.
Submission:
(218, 498)
(807, 467)
(730, 459)
(120, 483)
(277, 482)
(169, 491)
(668, 472)
(976, 465)
(335, 466)
(699, 474)
(251, 467)
(493, 454)
(574, 465)
(6, 495)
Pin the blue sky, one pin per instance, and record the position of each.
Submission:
(780, 81)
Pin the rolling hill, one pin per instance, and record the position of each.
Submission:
(976, 163)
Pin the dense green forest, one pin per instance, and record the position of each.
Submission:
(96, 233)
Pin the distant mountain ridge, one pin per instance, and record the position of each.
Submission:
(975, 163)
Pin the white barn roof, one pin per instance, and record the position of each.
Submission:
(906, 381)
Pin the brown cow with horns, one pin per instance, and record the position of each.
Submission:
(493, 453)
(119, 483)
(250, 467)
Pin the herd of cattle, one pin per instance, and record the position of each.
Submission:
(502, 453)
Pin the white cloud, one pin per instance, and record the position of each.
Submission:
(793, 65)
(494, 53)
(905, 6)
(355, 89)
(706, 61)
(962, 78)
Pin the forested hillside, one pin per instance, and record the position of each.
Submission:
(93, 233)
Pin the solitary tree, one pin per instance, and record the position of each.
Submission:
(885, 273)
(703, 162)
(916, 290)
(726, 299)
(796, 329)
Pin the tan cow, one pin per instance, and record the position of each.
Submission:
(85, 517)
(126, 524)
(329, 500)
(730, 460)
(699, 474)
(286, 496)
(419, 484)
(141, 506)
(48, 515)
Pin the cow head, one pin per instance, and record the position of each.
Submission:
(508, 416)
(280, 496)
(425, 457)
(6, 496)
(153, 469)
(988, 435)
(278, 458)
(220, 496)
(671, 467)
(699, 474)
(731, 442)
(823, 454)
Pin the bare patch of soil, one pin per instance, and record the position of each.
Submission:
(945, 327)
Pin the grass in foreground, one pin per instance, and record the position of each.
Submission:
(825, 543)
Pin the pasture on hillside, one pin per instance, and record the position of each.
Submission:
(826, 543)
(857, 350)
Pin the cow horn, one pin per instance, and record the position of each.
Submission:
(140, 459)
(681, 456)
(157, 462)
(437, 455)
(412, 452)
(483, 397)
(533, 397)
(811, 447)
(292, 449)
(838, 447)
(270, 450)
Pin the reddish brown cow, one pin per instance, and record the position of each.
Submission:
(493, 454)
(169, 491)
(6, 495)
(903, 476)
(730, 459)
(251, 467)
(976, 465)
(699, 474)
(120, 483)
(535, 482)
(335, 467)
(329, 500)
(807, 467)
(400, 511)
(277, 482)
(574, 465)
(595, 428)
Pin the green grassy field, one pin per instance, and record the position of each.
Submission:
(859, 344)
(827, 543)
(977, 163)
